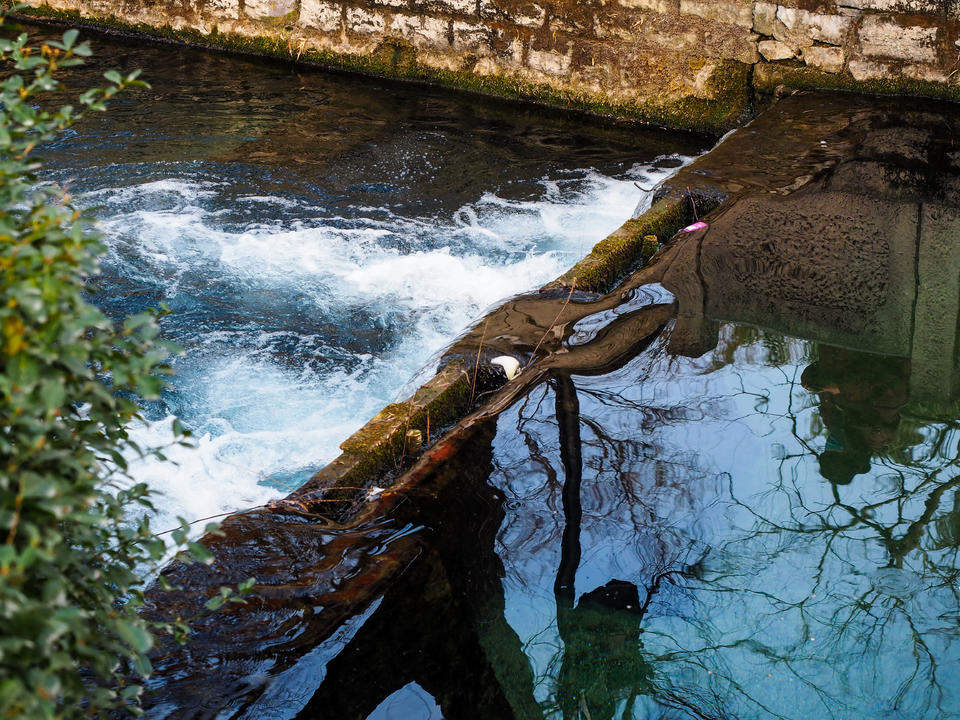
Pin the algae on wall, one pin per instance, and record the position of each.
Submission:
(619, 80)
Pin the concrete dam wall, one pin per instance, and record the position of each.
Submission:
(698, 64)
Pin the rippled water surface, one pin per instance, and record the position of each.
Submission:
(318, 238)
(734, 494)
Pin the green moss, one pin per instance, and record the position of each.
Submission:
(379, 445)
(619, 253)
(792, 76)
(649, 247)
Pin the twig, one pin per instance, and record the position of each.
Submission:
(403, 447)
(543, 337)
(476, 367)
(693, 204)
(210, 517)
(584, 710)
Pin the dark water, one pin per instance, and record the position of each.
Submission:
(752, 514)
(318, 239)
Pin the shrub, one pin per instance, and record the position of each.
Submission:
(75, 538)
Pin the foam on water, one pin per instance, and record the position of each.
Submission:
(299, 322)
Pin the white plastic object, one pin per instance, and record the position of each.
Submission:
(510, 365)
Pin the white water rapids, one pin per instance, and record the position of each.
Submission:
(269, 397)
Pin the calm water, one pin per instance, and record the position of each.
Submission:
(318, 238)
(766, 532)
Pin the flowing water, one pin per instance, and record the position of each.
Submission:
(733, 493)
(318, 239)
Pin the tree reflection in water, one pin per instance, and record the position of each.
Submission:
(770, 530)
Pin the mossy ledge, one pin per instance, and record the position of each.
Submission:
(729, 86)
(381, 449)
(773, 79)
(624, 249)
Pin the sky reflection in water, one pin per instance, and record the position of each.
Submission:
(765, 529)
(759, 587)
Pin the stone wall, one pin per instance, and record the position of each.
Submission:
(681, 63)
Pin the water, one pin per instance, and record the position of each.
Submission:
(733, 493)
(318, 239)
(756, 575)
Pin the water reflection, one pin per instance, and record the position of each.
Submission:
(735, 580)
(741, 503)
(318, 238)
(860, 407)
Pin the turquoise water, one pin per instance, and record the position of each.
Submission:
(755, 517)
(768, 530)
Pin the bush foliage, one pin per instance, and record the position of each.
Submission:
(75, 538)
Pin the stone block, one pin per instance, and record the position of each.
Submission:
(321, 15)
(925, 73)
(525, 14)
(732, 13)
(884, 37)
(775, 50)
(689, 41)
(828, 59)
(548, 62)
(365, 22)
(222, 9)
(265, 9)
(422, 30)
(800, 27)
(470, 37)
(658, 6)
(726, 43)
(764, 18)
(868, 70)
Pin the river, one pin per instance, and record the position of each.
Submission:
(318, 238)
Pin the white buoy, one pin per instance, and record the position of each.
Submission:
(510, 365)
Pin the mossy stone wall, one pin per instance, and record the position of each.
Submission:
(693, 64)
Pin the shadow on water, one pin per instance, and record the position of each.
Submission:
(752, 513)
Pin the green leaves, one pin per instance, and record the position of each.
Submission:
(75, 538)
(70, 38)
(134, 635)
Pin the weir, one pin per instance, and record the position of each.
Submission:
(834, 221)
(696, 64)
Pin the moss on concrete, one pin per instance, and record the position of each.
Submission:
(380, 443)
(619, 253)
(768, 77)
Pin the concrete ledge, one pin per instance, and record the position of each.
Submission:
(377, 453)
(773, 78)
(379, 450)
